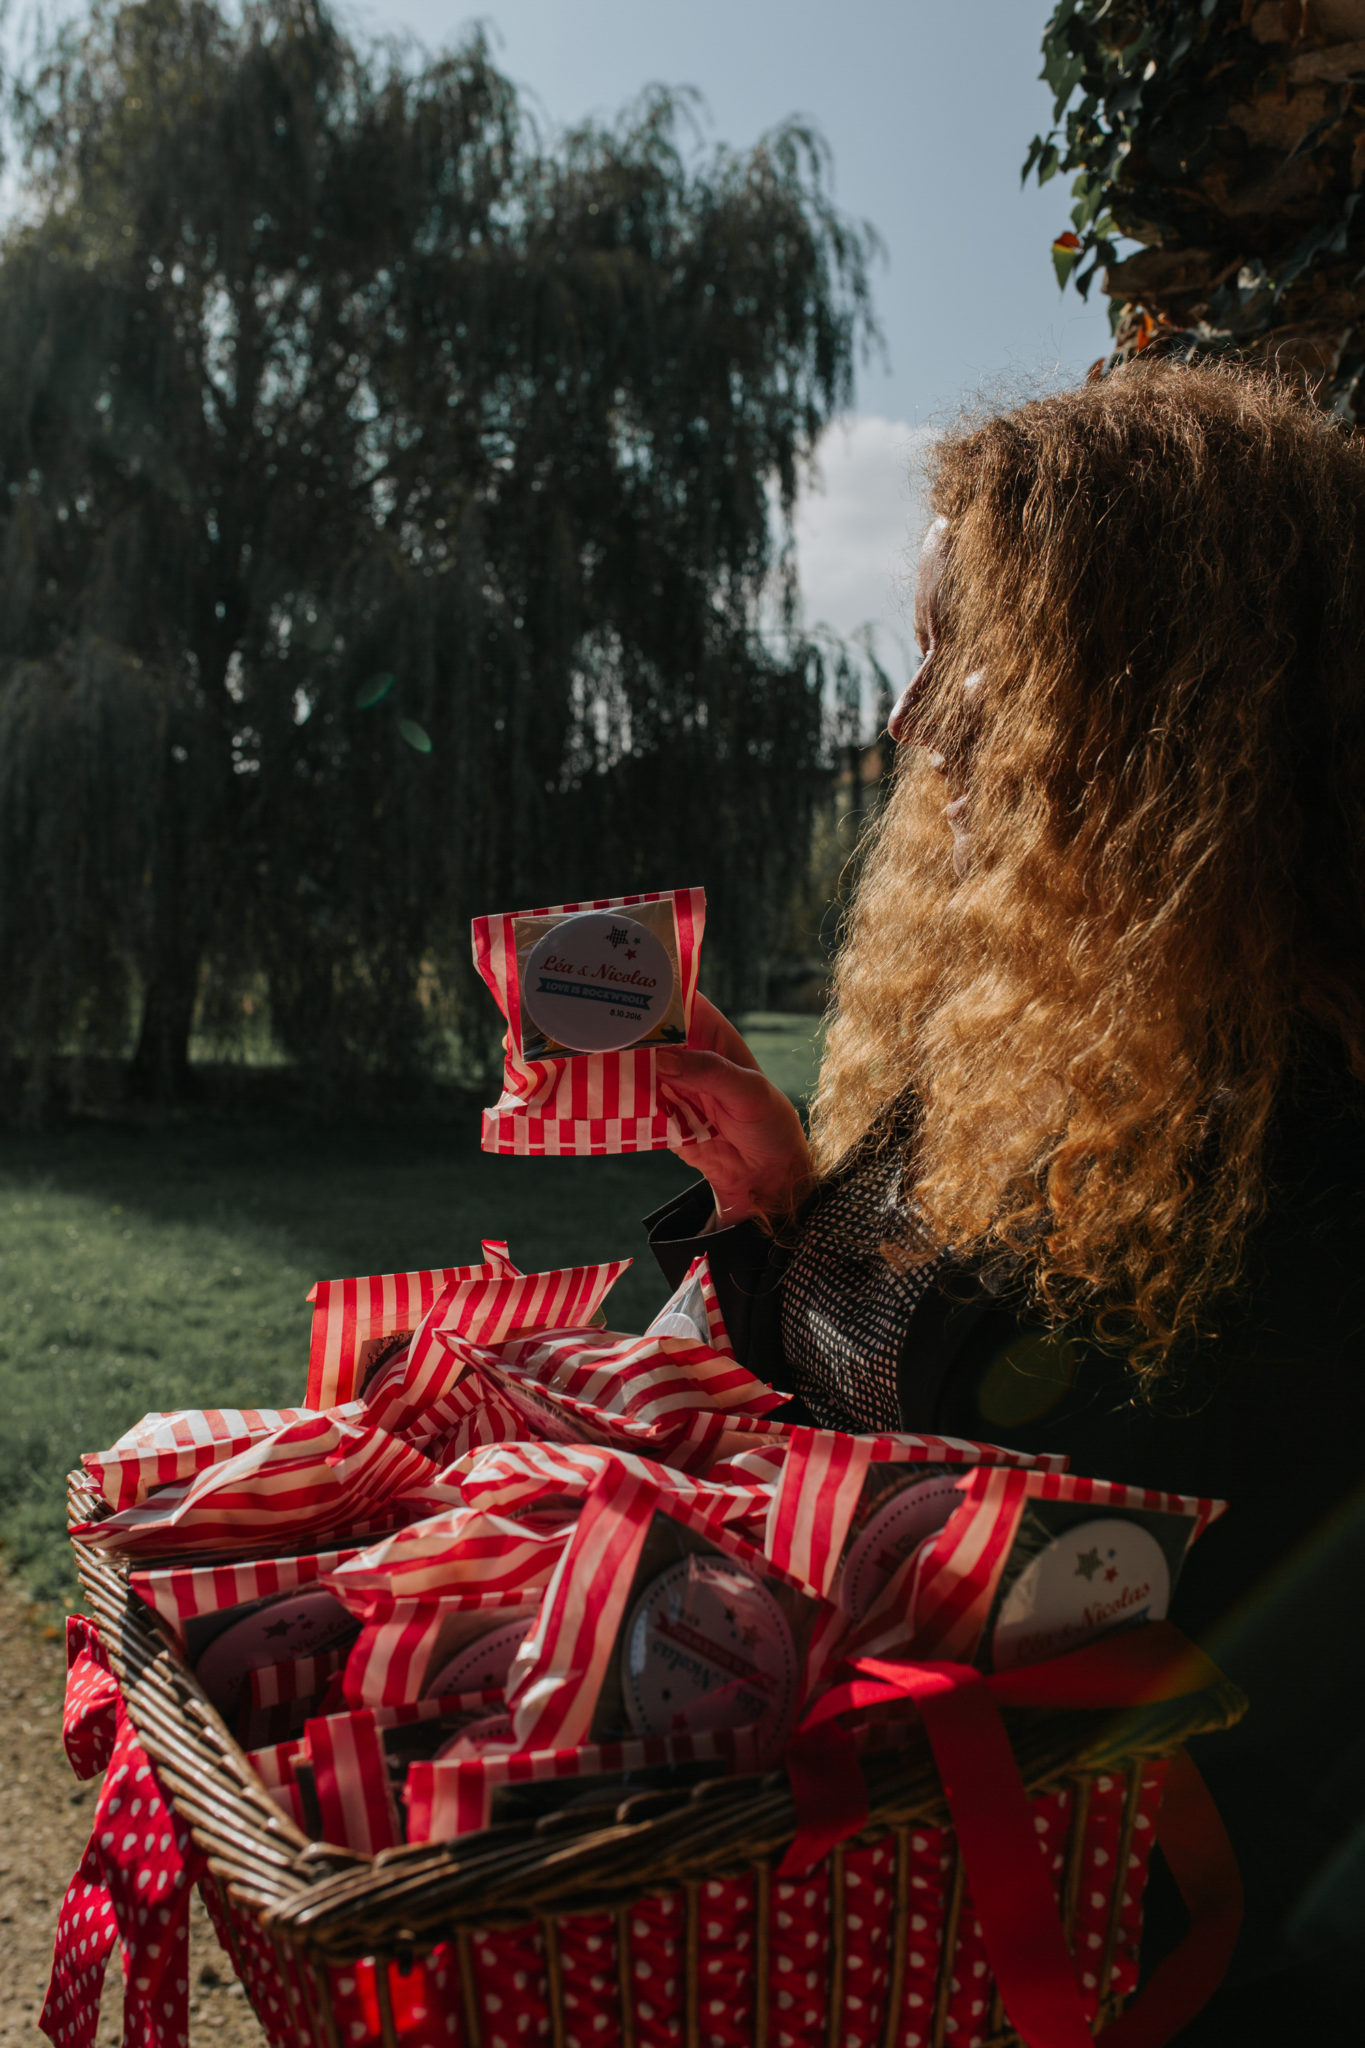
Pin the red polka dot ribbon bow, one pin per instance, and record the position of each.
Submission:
(134, 1880)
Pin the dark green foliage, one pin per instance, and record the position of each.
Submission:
(1138, 113)
(386, 530)
(1226, 138)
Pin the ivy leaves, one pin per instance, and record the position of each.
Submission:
(1186, 133)
(1122, 76)
(1065, 251)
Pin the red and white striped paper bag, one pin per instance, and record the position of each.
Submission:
(351, 1783)
(566, 1297)
(693, 1310)
(848, 1510)
(447, 1797)
(296, 1679)
(555, 1678)
(464, 1550)
(730, 1449)
(1033, 1564)
(353, 1774)
(469, 1414)
(360, 1324)
(657, 1378)
(419, 1497)
(661, 1397)
(473, 1313)
(274, 1766)
(177, 1443)
(660, 1618)
(519, 1478)
(282, 1697)
(595, 1103)
(182, 1594)
(406, 1647)
(545, 1414)
(321, 1476)
(259, 1637)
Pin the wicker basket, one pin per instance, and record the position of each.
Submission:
(660, 1920)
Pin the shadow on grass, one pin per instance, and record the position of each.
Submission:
(353, 1194)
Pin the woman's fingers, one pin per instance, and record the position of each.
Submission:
(758, 1159)
(728, 1174)
(741, 1094)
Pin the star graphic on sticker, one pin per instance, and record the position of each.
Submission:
(1111, 1574)
(1087, 1563)
(280, 1628)
(630, 952)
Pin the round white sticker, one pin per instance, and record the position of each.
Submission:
(892, 1531)
(480, 1666)
(1099, 1576)
(598, 982)
(477, 1733)
(708, 1647)
(304, 1623)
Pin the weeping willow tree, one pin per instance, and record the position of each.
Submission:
(1227, 137)
(388, 529)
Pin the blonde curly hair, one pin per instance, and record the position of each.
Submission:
(1158, 579)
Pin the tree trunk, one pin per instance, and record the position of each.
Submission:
(160, 1071)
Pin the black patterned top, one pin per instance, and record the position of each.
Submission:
(858, 1271)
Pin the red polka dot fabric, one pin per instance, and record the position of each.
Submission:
(133, 1886)
(869, 1900)
(273, 1982)
(725, 1952)
(511, 1970)
(799, 1937)
(588, 1961)
(134, 1879)
(658, 1941)
(929, 1861)
(90, 1712)
(85, 1934)
(1100, 1876)
(510, 1986)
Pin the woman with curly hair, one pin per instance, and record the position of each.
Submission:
(1087, 1160)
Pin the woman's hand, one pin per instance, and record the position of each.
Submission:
(759, 1162)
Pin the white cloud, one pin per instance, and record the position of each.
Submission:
(855, 527)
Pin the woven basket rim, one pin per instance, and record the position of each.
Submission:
(339, 1905)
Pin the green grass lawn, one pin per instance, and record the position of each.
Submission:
(165, 1266)
(787, 1047)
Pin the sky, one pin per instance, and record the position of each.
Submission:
(928, 107)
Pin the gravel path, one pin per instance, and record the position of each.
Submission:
(47, 1815)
